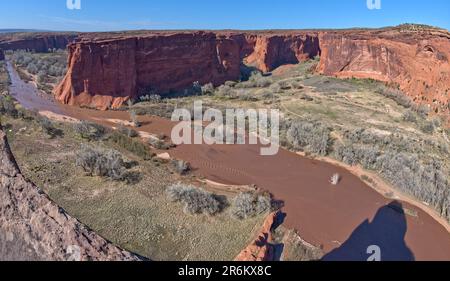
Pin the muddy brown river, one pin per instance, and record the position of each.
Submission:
(347, 220)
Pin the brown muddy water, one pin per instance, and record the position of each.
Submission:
(345, 220)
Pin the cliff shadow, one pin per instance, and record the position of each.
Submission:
(385, 232)
(246, 71)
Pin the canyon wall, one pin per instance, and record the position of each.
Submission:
(40, 42)
(105, 70)
(272, 51)
(34, 228)
(415, 61)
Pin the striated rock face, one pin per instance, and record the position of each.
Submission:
(107, 72)
(32, 227)
(416, 61)
(40, 42)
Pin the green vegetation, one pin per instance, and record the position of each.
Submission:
(309, 136)
(132, 145)
(46, 69)
(90, 131)
(102, 163)
(195, 200)
(4, 78)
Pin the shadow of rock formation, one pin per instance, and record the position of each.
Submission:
(386, 232)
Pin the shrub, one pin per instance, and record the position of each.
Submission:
(396, 95)
(89, 131)
(8, 107)
(159, 144)
(409, 116)
(224, 90)
(427, 182)
(296, 85)
(428, 127)
(230, 83)
(353, 155)
(196, 200)
(314, 137)
(260, 81)
(49, 128)
(266, 94)
(246, 205)
(275, 88)
(245, 96)
(208, 89)
(31, 68)
(102, 163)
(151, 98)
(181, 167)
(128, 132)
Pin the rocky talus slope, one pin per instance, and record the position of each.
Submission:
(32, 227)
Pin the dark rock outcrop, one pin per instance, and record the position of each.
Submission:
(32, 227)
(2, 55)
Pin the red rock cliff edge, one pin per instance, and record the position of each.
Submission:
(107, 70)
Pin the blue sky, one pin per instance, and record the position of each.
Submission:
(107, 15)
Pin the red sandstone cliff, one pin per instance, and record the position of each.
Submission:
(107, 69)
(417, 61)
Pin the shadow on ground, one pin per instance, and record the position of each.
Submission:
(386, 232)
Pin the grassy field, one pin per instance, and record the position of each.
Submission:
(138, 217)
